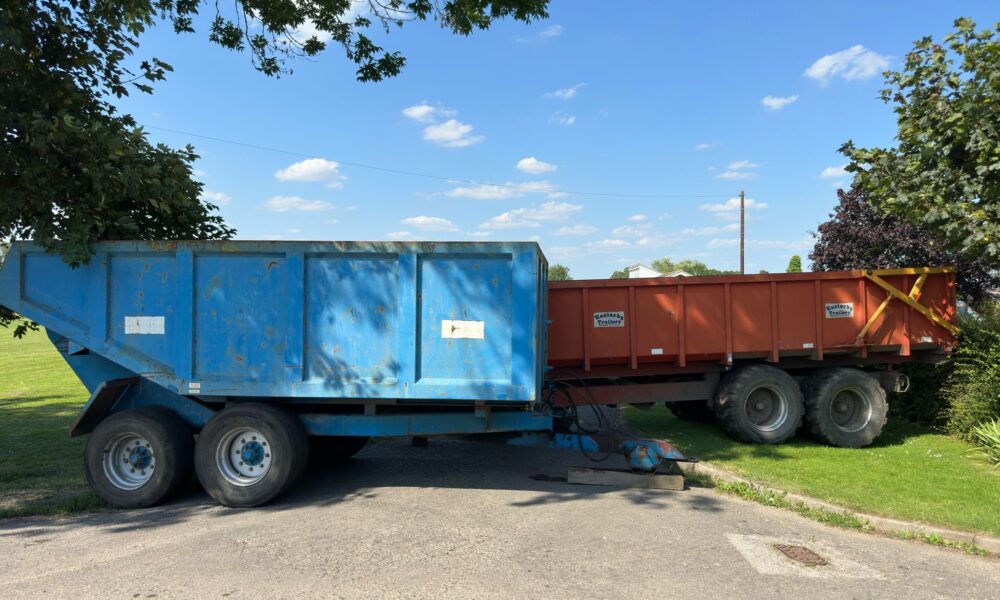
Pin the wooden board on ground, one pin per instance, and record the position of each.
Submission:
(656, 481)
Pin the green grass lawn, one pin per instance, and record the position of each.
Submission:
(41, 468)
(910, 472)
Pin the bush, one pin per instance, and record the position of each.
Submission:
(923, 404)
(987, 438)
(972, 389)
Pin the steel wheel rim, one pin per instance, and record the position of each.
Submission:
(129, 461)
(850, 410)
(766, 408)
(243, 456)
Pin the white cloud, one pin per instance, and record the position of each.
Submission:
(733, 205)
(430, 223)
(631, 231)
(735, 175)
(834, 172)
(638, 218)
(777, 102)
(857, 62)
(606, 245)
(480, 234)
(711, 230)
(532, 217)
(706, 146)
(217, 198)
(534, 166)
(578, 229)
(561, 118)
(313, 169)
(742, 164)
(287, 203)
(452, 133)
(566, 93)
(550, 32)
(722, 242)
(399, 235)
(425, 113)
(492, 191)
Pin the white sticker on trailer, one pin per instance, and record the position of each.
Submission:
(609, 319)
(840, 310)
(467, 330)
(145, 325)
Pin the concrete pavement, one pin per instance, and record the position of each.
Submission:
(462, 519)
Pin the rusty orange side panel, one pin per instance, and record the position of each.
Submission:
(683, 321)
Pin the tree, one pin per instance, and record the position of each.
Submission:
(944, 174)
(858, 236)
(74, 171)
(558, 272)
(623, 274)
(795, 264)
(694, 267)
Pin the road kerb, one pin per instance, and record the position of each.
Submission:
(882, 524)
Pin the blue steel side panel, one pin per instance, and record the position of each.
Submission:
(465, 288)
(315, 320)
(240, 317)
(144, 285)
(351, 328)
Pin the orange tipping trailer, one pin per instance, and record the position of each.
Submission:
(677, 339)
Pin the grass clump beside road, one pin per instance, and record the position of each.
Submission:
(910, 472)
(41, 468)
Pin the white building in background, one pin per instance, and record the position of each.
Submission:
(639, 271)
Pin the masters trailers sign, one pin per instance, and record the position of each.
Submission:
(840, 310)
(609, 319)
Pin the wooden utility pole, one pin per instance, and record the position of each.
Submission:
(742, 231)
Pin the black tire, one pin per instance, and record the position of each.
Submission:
(758, 404)
(269, 438)
(694, 411)
(844, 407)
(329, 449)
(157, 452)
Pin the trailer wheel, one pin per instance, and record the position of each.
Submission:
(330, 449)
(844, 407)
(694, 411)
(758, 404)
(139, 457)
(250, 453)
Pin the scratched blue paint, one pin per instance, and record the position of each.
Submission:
(318, 321)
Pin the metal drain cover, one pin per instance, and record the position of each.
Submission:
(801, 555)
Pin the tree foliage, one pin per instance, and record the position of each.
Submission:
(74, 171)
(558, 272)
(945, 171)
(622, 274)
(858, 236)
(794, 264)
(694, 267)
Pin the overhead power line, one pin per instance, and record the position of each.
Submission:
(456, 180)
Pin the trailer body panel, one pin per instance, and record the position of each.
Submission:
(325, 322)
(691, 324)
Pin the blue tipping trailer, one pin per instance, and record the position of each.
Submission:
(257, 345)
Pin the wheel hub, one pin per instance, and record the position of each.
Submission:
(766, 408)
(129, 461)
(244, 456)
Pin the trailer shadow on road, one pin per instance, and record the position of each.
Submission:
(393, 467)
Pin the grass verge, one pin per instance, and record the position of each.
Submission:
(41, 468)
(910, 472)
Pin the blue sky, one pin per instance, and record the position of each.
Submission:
(611, 133)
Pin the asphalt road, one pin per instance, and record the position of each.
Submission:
(469, 520)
